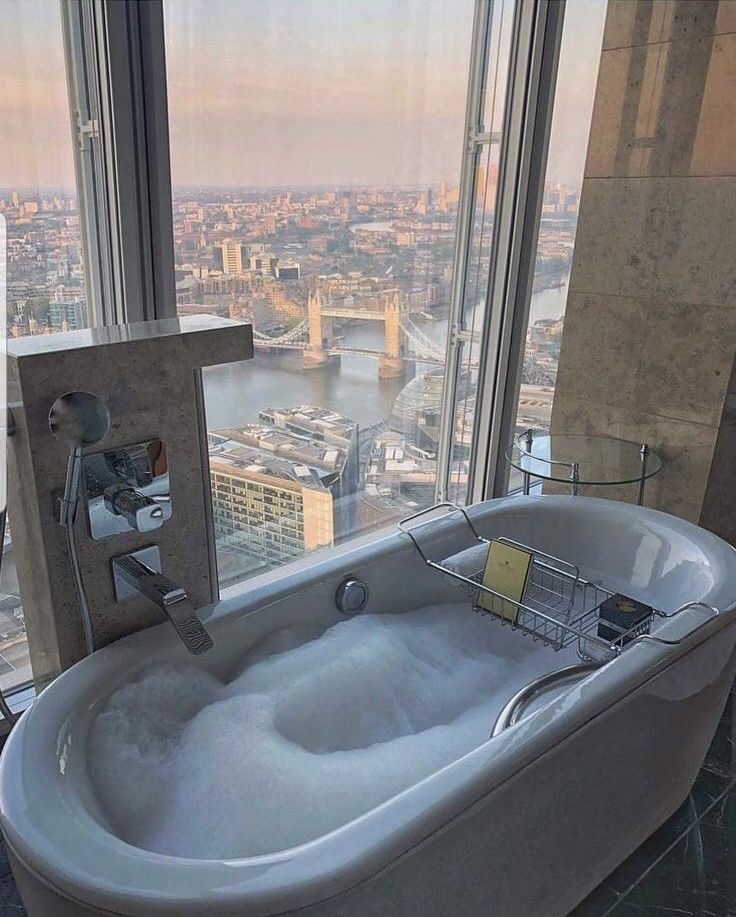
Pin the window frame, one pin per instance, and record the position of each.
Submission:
(511, 279)
(524, 144)
(475, 137)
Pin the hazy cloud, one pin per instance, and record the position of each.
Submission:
(266, 92)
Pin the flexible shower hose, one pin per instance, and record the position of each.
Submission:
(7, 713)
(4, 708)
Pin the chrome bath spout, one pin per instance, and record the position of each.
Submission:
(135, 577)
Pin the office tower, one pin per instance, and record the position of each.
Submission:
(232, 258)
(67, 312)
(288, 270)
(269, 509)
(442, 197)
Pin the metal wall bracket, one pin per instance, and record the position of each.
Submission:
(87, 131)
(481, 138)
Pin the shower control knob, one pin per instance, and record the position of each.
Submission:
(141, 512)
(351, 596)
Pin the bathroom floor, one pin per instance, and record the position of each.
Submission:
(10, 903)
(688, 868)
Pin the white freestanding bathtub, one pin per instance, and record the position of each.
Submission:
(521, 825)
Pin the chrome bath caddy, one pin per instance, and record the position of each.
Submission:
(559, 607)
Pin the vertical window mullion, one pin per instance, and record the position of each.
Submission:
(472, 137)
(537, 36)
(104, 298)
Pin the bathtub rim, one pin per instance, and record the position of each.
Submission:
(126, 880)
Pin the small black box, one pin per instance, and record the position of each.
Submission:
(624, 614)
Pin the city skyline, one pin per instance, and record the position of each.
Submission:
(382, 105)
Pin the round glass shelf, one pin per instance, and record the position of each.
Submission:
(581, 459)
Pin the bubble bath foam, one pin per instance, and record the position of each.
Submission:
(315, 729)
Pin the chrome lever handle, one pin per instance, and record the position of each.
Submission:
(190, 629)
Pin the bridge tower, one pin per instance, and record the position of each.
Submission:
(391, 363)
(317, 352)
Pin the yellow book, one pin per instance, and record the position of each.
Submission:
(507, 572)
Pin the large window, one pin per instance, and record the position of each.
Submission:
(316, 156)
(361, 180)
(44, 272)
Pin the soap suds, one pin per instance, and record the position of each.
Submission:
(318, 728)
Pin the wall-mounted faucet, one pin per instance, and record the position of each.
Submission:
(127, 489)
(139, 573)
(150, 376)
(81, 419)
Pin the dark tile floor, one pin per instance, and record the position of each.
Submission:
(686, 869)
(10, 903)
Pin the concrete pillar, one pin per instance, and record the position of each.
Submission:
(148, 376)
(649, 339)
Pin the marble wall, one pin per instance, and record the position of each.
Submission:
(148, 376)
(650, 330)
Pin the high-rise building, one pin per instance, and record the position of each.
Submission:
(263, 262)
(441, 202)
(66, 312)
(270, 510)
(232, 257)
(288, 270)
(323, 426)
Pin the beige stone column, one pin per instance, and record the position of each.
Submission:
(650, 330)
(148, 376)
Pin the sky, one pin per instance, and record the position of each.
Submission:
(295, 92)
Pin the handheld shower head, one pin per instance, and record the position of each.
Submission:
(79, 419)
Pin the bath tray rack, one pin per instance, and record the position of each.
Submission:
(559, 607)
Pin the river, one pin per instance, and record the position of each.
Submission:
(237, 392)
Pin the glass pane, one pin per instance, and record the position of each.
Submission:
(45, 276)
(576, 84)
(44, 270)
(474, 303)
(316, 175)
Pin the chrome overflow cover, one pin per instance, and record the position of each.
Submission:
(351, 596)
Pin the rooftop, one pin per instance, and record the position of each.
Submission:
(322, 421)
(249, 462)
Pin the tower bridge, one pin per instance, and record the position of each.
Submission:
(404, 342)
